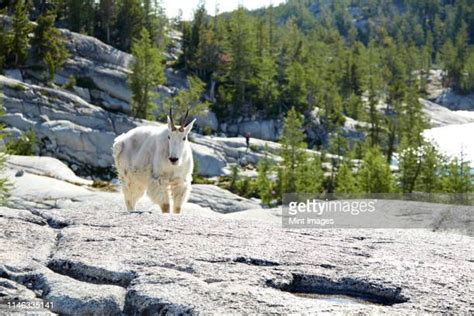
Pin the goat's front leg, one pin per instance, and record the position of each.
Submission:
(180, 193)
(158, 192)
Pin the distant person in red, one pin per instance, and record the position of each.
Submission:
(247, 140)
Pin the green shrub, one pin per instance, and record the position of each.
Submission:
(70, 83)
(206, 130)
(254, 148)
(19, 87)
(25, 145)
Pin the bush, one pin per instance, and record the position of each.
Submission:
(70, 83)
(206, 130)
(25, 145)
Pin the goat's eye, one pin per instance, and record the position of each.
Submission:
(184, 138)
(169, 137)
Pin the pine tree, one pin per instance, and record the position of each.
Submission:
(429, 179)
(374, 175)
(108, 14)
(5, 185)
(147, 74)
(345, 180)
(48, 45)
(293, 150)
(309, 175)
(188, 99)
(5, 45)
(243, 59)
(80, 16)
(457, 177)
(410, 166)
(263, 182)
(21, 28)
(129, 23)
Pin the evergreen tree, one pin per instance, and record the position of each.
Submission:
(48, 45)
(188, 99)
(309, 175)
(5, 185)
(5, 45)
(263, 182)
(293, 151)
(243, 59)
(374, 175)
(147, 74)
(108, 14)
(129, 23)
(21, 28)
(457, 177)
(345, 180)
(410, 166)
(430, 174)
(80, 16)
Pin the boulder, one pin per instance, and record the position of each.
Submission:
(208, 119)
(454, 101)
(210, 162)
(263, 129)
(14, 74)
(45, 166)
(220, 200)
(442, 116)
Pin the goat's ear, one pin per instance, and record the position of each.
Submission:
(170, 124)
(189, 127)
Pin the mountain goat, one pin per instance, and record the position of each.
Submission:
(157, 160)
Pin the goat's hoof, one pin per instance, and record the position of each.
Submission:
(165, 208)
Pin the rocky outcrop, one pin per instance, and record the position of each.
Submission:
(47, 183)
(454, 101)
(442, 116)
(75, 250)
(44, 166)
(262, 129)
(105, 262)
(220, 200)
(76, 131)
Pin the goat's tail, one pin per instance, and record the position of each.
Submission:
(117, 150)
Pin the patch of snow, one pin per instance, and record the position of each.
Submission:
(454, 140)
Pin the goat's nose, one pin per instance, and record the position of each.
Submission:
(173, 159)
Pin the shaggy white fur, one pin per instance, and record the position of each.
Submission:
(157, 160)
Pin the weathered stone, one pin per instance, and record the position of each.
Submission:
(14, 74)
(455, 101)
(45, 166)
(264, 129)
(201, 265)
(208, 120)
(220, 200)
(442, 116)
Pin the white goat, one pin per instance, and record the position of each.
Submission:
(157, 160)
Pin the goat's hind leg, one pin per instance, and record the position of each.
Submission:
(132, 191)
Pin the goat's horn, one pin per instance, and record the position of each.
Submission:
(171, 119)
(183, 120)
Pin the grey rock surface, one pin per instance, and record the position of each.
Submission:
(262, 129)
(220, 200)
(146, 263)
(45, 166)
(46, 183)
(79, 250)
(442, 116)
